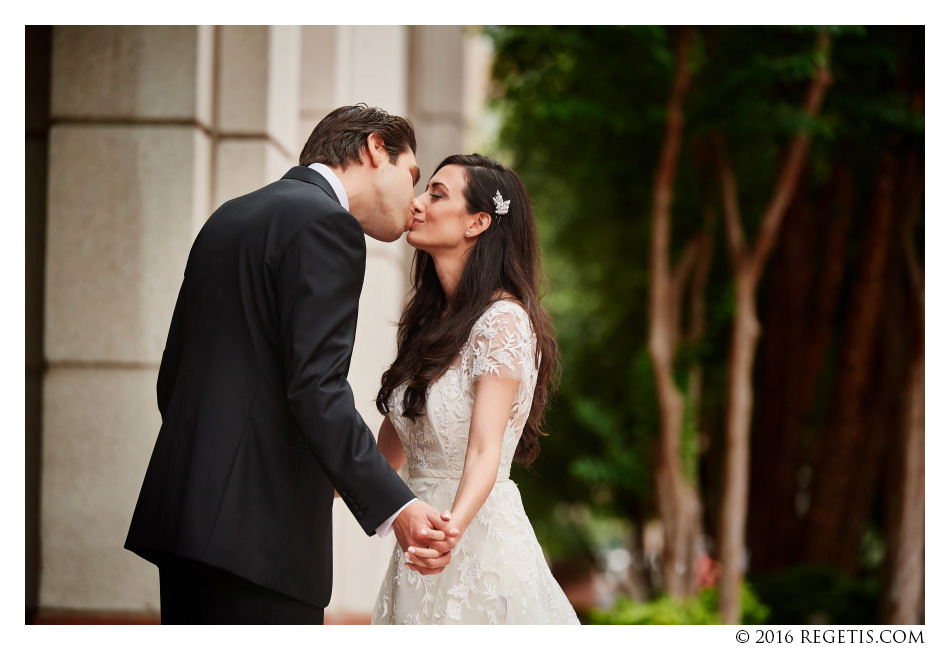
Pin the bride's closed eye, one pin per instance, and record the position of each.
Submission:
(435, 196)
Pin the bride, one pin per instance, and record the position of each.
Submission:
(465, 397)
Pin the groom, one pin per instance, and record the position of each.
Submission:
(258, 420)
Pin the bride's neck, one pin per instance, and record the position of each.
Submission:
(449, 267)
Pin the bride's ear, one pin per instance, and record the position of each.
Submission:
(478, 223)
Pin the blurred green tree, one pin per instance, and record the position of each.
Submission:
(584, 114)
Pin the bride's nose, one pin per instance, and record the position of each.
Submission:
(416, 205)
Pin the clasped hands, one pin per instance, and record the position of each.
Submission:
(426, 537)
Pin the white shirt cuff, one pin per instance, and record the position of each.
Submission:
(387, 526)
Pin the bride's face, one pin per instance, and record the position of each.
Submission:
(440, 218)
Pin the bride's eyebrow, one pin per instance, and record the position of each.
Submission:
(440, 185)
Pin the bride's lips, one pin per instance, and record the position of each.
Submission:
(414, 222)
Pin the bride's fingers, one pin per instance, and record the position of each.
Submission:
(423, 552)
(443, 528)
(443, 547)
(426, 563)
(436, 535)
(416, 558)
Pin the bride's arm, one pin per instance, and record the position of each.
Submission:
(389, 446)
(494, 397)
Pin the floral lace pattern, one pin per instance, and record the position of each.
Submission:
(498, 573)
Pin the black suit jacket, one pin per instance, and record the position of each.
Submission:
(258, 419)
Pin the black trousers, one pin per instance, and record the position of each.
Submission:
(196, 593)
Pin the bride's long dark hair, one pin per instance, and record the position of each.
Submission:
(505, 258)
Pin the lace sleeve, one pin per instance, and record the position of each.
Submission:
(502, 344)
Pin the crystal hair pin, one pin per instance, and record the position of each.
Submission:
(501, 205)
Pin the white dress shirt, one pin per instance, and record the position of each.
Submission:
(334, 182)
(337, 186)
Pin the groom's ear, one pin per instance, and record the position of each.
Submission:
(374, 151)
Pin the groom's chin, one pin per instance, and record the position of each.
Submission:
(386, 238)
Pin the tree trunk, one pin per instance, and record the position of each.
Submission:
(903, 572)
(805, 283)
(904, 577)
(638, 585)
(828, 293)
(694, 389)
(748, 265)
(776, 440)
(745, 334)
(677, 501)
(839, 507)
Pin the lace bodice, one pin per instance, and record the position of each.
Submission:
(502, 343)
(498, 573)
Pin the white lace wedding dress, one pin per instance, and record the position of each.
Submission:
(498, 573)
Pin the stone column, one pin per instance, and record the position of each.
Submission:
(438, 82)
(256, 107)
(129, 179)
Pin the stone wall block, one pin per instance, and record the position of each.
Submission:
(116, 72)
(242, 78)
(283, 88)
(374, 349)
(438, 58)
(371, 66)
(259, 83)
(204, 75)
(319, 52)
(122, 204)
(99, 428)
(246, 165)
(436, 140)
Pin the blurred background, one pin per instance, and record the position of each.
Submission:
(732, 229)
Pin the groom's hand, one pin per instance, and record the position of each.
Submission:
(420, 526)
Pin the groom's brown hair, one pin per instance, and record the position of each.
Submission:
(340, 137)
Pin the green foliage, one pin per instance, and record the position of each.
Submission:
(662, 611)
(817, 595)
(566, 534)
(575, 533)
(582, 111)
(701, 610)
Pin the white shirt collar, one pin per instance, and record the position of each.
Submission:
(334, 182)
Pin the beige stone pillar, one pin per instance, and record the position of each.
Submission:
(129, 176)
(256, 107)
(438, 83)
